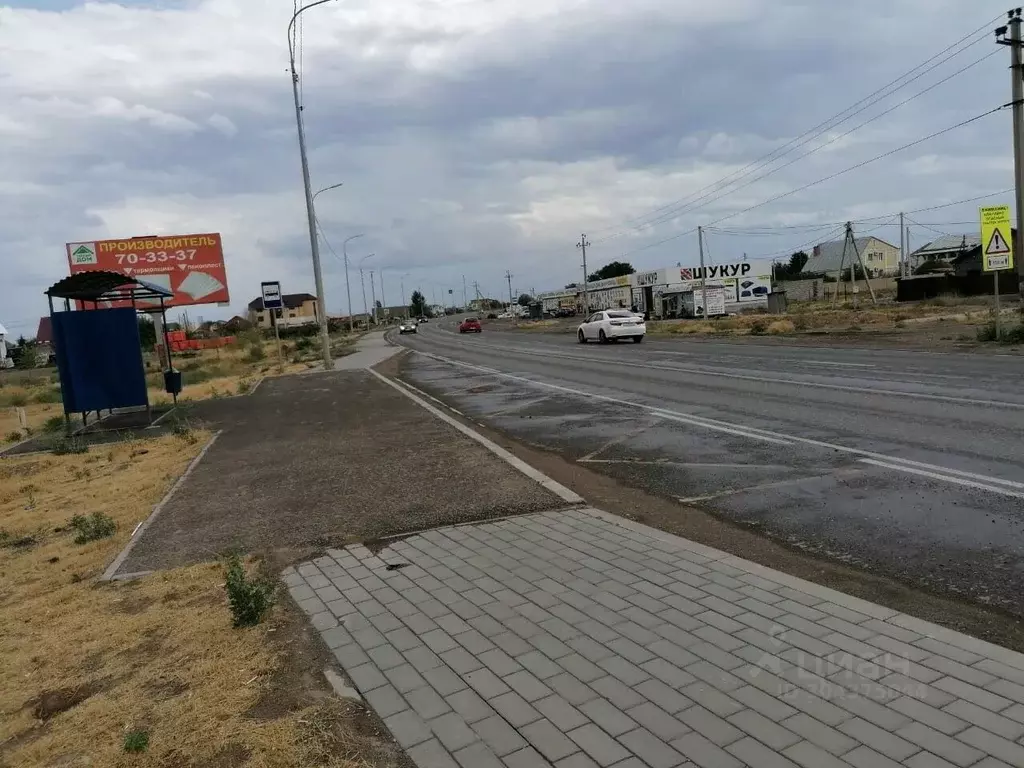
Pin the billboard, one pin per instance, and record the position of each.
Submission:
(190, 266)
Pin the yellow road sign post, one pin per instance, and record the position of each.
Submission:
(996, 248)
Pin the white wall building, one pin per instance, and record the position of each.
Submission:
(4, 362)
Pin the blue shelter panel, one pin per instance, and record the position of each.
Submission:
(100, 359)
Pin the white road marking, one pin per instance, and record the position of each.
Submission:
(941, 473)
(945, 478)
(861, 390)
(749, 488)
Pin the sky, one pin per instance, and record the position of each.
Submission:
(475, 137)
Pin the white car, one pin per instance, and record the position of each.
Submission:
(408, 326)
(612, 325)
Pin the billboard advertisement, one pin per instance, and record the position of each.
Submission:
(190, 266)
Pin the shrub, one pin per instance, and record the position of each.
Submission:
(256, 353)
(136, 741)
(244, 386)
(987, 332)
(49, 395)
(183, 428)
(249, 599)
(18, 400)
(93, 527)
(1014, 335)
(54, 424)
(13, 437)
(65, 446)
(304, 342)
(758, 328)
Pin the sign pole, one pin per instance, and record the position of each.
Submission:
(277, 337)
(999, 322)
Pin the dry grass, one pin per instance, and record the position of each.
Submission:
(821, 316)
(86, 662)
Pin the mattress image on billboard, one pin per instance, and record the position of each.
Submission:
(200, 284)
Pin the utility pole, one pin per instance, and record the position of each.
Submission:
(383, 301)
(515, 317)
(703, 275)
(860, 260)
(314, 244)
(465, 301)
(582, 245)
(903, 249)
(366, 308)
(1017, 93)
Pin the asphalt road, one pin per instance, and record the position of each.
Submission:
(906, 463)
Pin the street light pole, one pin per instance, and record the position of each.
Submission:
(314, 245)
(348, 291)
(405, 304)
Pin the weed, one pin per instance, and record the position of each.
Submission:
(183, 428)
(136, 741)
(93, 527)
(18, 400)
(244, 386)
(758, 328)
(54, 424)
(10, 541)
(781, 326)
(65, 446)
(13, 437)
(250, 599)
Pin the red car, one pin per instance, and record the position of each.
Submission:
(470, 325)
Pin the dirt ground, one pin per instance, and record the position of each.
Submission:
(747, 542)
(323, 460)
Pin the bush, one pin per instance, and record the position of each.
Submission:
(1014, 335)
(249, 599)
(244, 386)
(13, 437)
(18, 400)
(93, 527)
(136, 741)
(54, 424)
(304, 342)
(68, 445)
(758, 328)
(256, 353)
(49, 395)
(183, 428)
(988, 332)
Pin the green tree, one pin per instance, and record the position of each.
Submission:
(792, 269)
(525, 300)
(614, 269)
(418, 304)
(147, 332)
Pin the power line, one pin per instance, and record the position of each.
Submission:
(835, 175)
(692, 207)
(817, 130)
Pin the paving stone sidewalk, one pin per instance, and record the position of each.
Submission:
(578, 639)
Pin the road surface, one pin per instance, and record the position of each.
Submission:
(907, 463)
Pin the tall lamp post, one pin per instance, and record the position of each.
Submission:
(310, 213)
(348, 292)
(366, 310)
(315, 196)
(405, 304)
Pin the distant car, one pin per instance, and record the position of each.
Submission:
(408, 326)
(421, 319)
(612, 325)
(470, 325)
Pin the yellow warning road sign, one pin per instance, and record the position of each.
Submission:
(996, 238)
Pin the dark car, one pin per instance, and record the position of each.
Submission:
(470, 325)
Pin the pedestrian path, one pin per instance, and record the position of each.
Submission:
(576, 639)
(371, 350)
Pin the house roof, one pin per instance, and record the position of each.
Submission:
(291, 301)
(948, 243)
(44, 334)
(826, 256)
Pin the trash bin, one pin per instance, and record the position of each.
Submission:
(172, 381)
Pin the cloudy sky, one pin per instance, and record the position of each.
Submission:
(475, 136)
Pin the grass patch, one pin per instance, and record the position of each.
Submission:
(93, 527)
(54, 424)
(136, 741)
(65, 446)
(781, 326)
